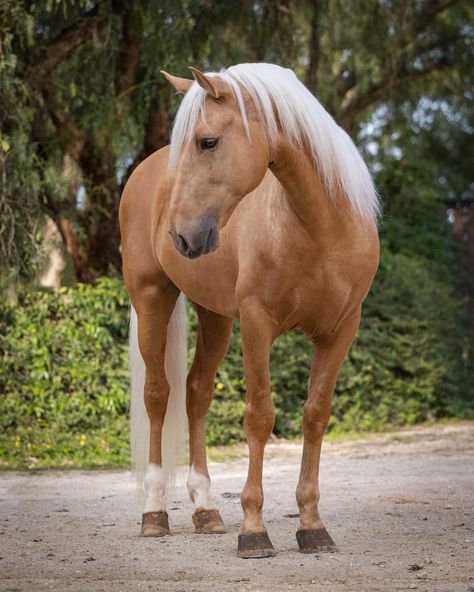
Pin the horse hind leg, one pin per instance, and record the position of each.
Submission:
(154, 307)
(213, 338)
(312, 535)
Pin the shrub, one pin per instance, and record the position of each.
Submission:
(64, 377)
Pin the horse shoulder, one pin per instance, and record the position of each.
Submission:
(144, 197)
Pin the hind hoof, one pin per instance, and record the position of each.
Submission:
(255, 545)
(208, 522)
(155, 524)
(315, 540)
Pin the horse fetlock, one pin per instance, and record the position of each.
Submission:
(155, 489)
(199, 486)
(252, 507)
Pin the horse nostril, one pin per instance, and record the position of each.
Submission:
(210, 240)
(182, 243)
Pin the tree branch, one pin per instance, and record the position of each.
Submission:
(72, 137)
(314, 48)
(157, 127)
(377, 91)
(428, 13)
(352, 102)
(60, 48)
(68, 40)
(129, 51)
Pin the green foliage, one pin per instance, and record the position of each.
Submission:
(404, 367)
(64, 377)
(20, 218)
(82, 100)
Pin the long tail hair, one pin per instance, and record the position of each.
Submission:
(175, 424)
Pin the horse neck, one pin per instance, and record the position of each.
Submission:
(306, 194)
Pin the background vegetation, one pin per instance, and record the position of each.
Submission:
(82, 102)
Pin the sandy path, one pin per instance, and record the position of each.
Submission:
(400, 508)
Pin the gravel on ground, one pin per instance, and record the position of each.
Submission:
(399, 506)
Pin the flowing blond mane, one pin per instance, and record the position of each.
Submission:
(281, 98)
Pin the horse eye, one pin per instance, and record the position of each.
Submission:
(208, 143)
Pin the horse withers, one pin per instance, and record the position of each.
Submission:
(262, 210)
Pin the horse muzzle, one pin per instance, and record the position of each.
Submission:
(198, 241)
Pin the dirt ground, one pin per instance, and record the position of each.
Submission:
(400, 507)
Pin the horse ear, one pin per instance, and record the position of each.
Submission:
(213, 86)
(182, 85)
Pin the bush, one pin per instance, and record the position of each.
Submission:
(64, 377)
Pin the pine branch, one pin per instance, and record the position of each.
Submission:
(157, 127)
(428, 13)
(68, 40)
(353, 102)
(72, 137)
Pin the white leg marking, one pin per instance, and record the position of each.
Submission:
(198, 487)
(155, 489)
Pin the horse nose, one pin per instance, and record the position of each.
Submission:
(198, 241)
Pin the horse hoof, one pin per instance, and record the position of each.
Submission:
(155, 524)
(208, 522)
(255, 545)
(315, 540)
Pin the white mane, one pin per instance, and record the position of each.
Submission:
(303, 120)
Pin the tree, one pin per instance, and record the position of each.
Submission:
(82, 101)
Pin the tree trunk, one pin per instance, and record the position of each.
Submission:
(314, 48)
(100, 248)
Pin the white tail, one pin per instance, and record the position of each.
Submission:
(175, 425)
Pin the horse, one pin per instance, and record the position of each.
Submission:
(261, 209)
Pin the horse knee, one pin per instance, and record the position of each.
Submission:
(259, 417)
(315, 419)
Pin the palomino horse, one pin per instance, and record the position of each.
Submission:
(261, 209)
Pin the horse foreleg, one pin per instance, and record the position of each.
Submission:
(154, 307)
(329, 354)
(213, 338)
(257, 333)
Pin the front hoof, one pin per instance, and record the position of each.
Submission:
(255, 545)
(315, 540)
(155, 524)
(208, 522)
